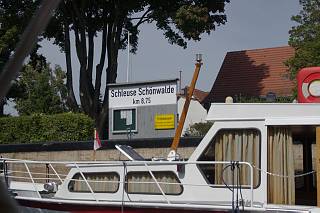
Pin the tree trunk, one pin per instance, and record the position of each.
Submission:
(86, 88)
(71, 99)
(2, 103)
(102, 123)
(113, 41)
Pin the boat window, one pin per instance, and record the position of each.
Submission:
(291, 152)
(143, 183)
(232, 145)
(106, 182)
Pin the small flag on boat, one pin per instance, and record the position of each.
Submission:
(96, 142)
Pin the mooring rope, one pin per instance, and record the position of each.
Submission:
(283, 176)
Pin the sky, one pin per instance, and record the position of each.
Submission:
(251, 24)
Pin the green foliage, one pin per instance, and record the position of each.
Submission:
(305, 37)
(198, 129)
(243, 99)
(41, 128)
(44, 89)
(180, 21)
(14, 17)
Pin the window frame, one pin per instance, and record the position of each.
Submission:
(134, 120)
(99, 192)
(153, 172)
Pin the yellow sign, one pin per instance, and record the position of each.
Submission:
(164, 121)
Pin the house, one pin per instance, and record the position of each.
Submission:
(253, 73)
(196, 113)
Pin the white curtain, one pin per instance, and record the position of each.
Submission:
(105, 182)
(142, 182)
(237, 145)
(281, 190)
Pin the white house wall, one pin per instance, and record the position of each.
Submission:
(196, 113)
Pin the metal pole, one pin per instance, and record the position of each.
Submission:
(31, 178)
(180, 81)
(86, 181)
(156, 181)
(128, 62)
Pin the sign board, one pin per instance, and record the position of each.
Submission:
(164, 121)
(143, 95)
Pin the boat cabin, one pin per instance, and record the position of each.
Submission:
(278, 140)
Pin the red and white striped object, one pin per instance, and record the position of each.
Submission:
(96, 142)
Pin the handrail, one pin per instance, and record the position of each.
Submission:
(117, 163)
(145, 164)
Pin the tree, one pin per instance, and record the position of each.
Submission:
(44, 90)
(14, 16)
(305, 37)
(198, 129)
(180, 20)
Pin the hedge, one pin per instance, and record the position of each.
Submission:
(41, 128)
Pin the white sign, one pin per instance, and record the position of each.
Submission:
(141, 95)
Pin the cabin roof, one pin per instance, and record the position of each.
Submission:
(272, 113)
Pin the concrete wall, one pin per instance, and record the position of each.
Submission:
(88, 155)
(40, 170)
(82, 151)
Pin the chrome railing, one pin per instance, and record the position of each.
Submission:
(28, 175)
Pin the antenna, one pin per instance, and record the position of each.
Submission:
(128, 62)
(180, 81)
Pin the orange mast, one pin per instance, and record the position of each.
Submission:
(174, 146)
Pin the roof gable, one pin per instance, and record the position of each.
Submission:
(253, 73)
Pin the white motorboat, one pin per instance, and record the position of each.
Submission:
(245, 162)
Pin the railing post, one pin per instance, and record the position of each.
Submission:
(85, 180)
(5, 173)
(123, 184)
(158, 185)
(251, 184)
(55, 173)
(33, 183)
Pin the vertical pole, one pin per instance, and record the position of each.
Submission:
(128, 62)
(318, 163)
(94, 141)
(180, 81)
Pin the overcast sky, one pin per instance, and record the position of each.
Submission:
(250, 24)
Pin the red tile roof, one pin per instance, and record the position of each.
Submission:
(253, 73)
(198, 95)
